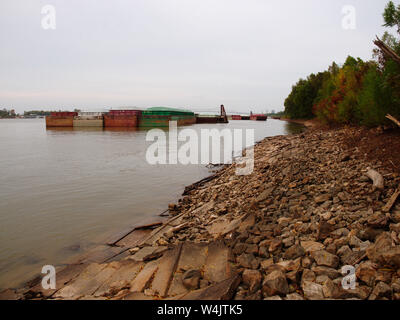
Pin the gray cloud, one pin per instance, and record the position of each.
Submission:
(182, 53)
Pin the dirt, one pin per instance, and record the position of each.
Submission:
(375, 144)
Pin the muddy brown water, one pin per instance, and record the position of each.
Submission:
(64, 191)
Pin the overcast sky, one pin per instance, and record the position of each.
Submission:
(180, 53)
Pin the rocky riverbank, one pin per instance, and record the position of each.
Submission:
(307, 210)
(284, 232)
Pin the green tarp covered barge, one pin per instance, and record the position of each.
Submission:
(160, 117)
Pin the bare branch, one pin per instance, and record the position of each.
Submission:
(393, 119)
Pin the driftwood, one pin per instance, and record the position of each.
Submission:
(391, 201)
(393, 119)
(376, 177)
(387, 50)
(180, 227)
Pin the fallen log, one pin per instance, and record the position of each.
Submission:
(180, 227)
(376, 178)
(393, 119)
(387, 50)
(391, 201)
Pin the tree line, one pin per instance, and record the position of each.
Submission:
(357, 92)
(4, 113)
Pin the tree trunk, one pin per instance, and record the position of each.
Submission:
(386, 50)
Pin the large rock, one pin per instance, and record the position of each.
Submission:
(275, 245)
(245, 260)
(322, 198)
(311, 246)
(383, 253)
(324, 230)
(396, 286)
(252, 278)
(275, 283)
(353, 258)
(324, 258)
(381, 290)
(312, 290)
(377, 220)
(191, 279)
(367, 273)
(326, 271)
(294, 296)
(265, 194)
(334, 290)
(294, 252)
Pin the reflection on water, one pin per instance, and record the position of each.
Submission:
(64, 190)
(293, 128)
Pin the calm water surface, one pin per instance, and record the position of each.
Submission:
(63, 191)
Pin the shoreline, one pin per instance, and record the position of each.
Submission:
(308, 123)
(286, 221)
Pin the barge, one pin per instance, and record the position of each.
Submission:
(61, 119)
(222, 118)
(122, 118)
(258, 117)
(160, 117)
(89, 119)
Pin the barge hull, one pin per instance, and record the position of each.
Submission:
(210, 120)
(120, 121)
(259, 118)
(53, 122)
(88, 123)
(163, 120)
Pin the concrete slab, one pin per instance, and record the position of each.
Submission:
(193, 256)
(148, 253)
(134, 238)
(166, 268)
(88, 281)
(217, 266)
(143, 279)
(126, 273)
(63, 276)
(177, 288)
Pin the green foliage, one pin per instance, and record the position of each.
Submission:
(357, 92)
(374, 99)
(300, 102)
(35, 113)
(7, 113)
(391, 16)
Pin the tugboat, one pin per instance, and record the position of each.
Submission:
(222, 118)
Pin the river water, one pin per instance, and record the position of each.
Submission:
(64, 191)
